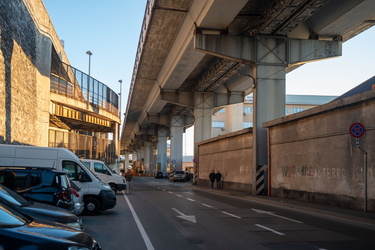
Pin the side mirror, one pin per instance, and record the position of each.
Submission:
(82, 177)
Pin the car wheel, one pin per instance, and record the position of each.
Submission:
(113, 187)
(91, 206)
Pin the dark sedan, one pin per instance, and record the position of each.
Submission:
(38, 210)
(18, 231)
(159, 175)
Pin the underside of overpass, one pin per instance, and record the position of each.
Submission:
(194, 57)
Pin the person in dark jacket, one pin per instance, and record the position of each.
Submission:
(218, 179)
(212, 177)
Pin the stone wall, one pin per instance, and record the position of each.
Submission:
(232, 155)
(314, 157)
(25, 59)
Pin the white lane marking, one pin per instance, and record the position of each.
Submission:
(190, 199)
(145, 237)
(178, 195)
(235, 216)
(269, 229)
(275, 215)
(164, 189)
(170, 192)
(190, 218)
(206, 205)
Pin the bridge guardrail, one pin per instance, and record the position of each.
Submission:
(69, 81)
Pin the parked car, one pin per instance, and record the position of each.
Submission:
(159, 175)
(38, 210)
(105, 174)
(39, 184)
(20, 231)
(97, 195)
(180, 176)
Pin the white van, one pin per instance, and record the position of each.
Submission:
(97, 195)
(114, 180)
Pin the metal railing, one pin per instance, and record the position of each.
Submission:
(69, 81)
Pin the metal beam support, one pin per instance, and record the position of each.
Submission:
(285, 51)
(223, 99)
(159, 119)
(186, 99)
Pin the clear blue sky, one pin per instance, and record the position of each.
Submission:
(110, 30)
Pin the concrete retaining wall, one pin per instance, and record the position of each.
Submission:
(26, 41)
(232, 155)
(315, 158)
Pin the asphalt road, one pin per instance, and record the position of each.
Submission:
(158, 214)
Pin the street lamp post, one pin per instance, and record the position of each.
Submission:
(88, 79)
(120, 81)
(119, 126)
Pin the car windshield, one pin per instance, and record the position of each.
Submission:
(12, 197)
(88, 168)
(180, 172)
(11, 218)
(109, 169)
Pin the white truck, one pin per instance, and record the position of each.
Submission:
(97, 195)
(114, 180)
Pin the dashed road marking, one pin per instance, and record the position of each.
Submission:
(269, 229)
(235, 216)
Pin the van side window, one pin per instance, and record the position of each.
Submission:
(73, 169)
(99, 168)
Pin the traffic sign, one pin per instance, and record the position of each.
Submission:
(357, 130)
(173, 161)
(195, 160)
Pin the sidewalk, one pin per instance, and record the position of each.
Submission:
(366, 219)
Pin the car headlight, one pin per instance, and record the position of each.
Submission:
(105, 185)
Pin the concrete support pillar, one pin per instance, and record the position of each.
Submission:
(203, 104)
(153, 157)
(269, 104)
(142, 158)
(134, 156)
(126, 161)
(147, 157)
(177, 129)
(163, 133)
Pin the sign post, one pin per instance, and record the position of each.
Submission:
(357, 130)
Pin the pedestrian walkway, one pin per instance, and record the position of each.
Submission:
(366, 219)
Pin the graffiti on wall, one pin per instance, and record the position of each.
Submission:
(327, 173)
(244, 169)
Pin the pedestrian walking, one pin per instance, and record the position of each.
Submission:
(212, 178)
(128, 178)
(218, 179)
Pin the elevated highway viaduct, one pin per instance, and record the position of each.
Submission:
(196, 56)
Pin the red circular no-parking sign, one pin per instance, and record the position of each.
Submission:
(357, 130)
